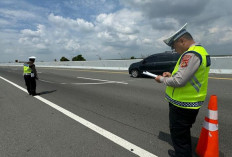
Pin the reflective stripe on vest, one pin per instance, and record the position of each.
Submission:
(193, 94)
(26, 69)
(184, 104)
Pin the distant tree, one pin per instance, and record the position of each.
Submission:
(64, 59)
(78, 58)
(132, 57)
(16, 61)
(55, 60)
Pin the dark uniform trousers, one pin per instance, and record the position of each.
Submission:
(31, 84)
(181, 121)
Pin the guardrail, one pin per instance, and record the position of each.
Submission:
(221, 65)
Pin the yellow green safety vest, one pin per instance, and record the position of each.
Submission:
(26, 69)
(193, 94)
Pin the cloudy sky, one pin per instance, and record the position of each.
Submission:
(108, 29)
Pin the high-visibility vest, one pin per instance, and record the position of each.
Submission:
(26, 68)
(193, 94)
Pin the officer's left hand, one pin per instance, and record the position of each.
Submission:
(167, 74)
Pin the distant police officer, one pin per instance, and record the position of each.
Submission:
(186, 89)
(30, 76)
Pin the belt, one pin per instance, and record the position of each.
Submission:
(27, 74)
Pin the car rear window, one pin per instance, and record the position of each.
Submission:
(164, 58)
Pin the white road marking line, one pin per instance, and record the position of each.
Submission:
(112, 137)
(14, 84)
(46, 81)
(102, 80)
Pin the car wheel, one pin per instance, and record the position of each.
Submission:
(134, 73)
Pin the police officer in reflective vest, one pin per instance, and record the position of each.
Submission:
(30, 76)
(186, 89)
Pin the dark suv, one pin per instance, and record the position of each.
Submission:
(156, 63)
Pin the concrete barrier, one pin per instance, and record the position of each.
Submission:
(221, 65)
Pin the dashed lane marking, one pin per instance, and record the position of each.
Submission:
(96, 71)
(93, 83)
(106, 81)
(110, 136)
(46, 81)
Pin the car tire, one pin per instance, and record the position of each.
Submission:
(134, 73)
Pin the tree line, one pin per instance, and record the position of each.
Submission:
(79, 58)
(76, 58)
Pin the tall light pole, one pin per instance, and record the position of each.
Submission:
(99, 57)
(120, 55)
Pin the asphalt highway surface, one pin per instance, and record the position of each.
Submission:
(96, 113)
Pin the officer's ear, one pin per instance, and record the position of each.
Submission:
(181, 40)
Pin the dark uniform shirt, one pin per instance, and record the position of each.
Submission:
(33, 69)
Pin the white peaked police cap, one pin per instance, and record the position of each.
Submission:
(32, 57)
(169, 41)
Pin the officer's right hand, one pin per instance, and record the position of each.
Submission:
(158, 78)
(167, 74)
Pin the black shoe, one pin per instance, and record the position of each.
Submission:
(34, 94)
(171, 153)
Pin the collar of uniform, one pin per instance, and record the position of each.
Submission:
(195, 44)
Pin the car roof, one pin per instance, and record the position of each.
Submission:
(162, 53)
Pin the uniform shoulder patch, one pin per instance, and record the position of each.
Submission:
(185, 60)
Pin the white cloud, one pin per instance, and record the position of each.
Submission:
(38, 33)
(105, 35)
(59, 36)
(147, 41)
(4, 22)
(34, 38)
(120, 29)
(217, 35)
(78, 24)
(91, 27)
(117, 32)
(123, 21)
(72, 45)
(18, 14)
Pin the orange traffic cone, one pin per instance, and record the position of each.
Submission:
(208, 142)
